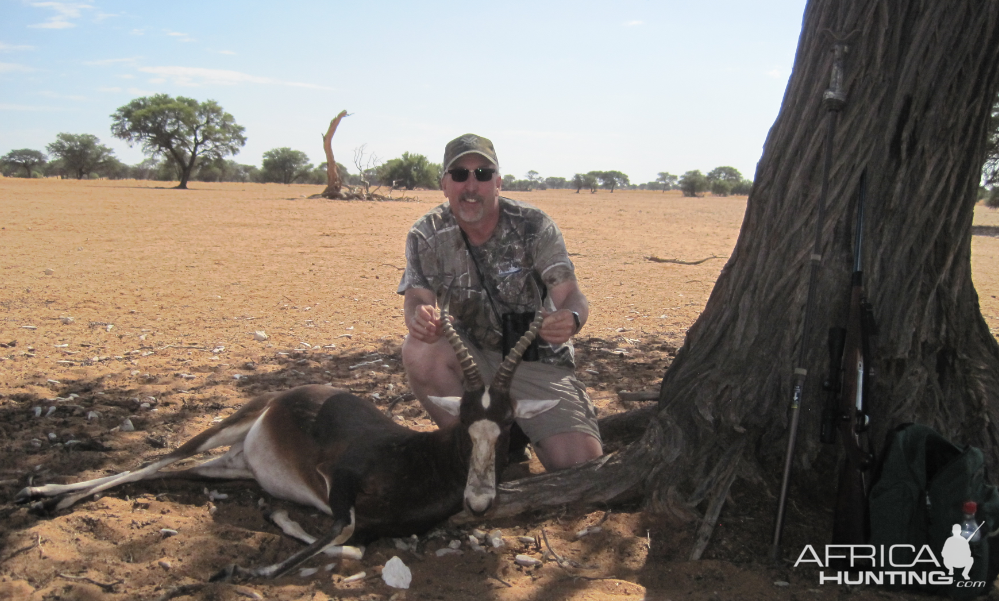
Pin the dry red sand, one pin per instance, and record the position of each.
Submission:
(166, 288)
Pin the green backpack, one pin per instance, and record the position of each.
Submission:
(923, 484)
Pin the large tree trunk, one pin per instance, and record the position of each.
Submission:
(920, 78)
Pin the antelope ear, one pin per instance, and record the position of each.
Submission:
(451, 404)
(529, 409)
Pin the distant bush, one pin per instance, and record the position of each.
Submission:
(720, 187)
(693, 183)
(993, 200)
(743, 188)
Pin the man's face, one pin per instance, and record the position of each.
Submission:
(473, 202)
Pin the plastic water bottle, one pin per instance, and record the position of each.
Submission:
(969, 527)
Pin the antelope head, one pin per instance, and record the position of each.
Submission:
(488, 412)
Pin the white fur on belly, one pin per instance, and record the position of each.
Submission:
(275, 469)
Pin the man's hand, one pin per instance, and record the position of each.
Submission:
(558, 327)
(425, 326)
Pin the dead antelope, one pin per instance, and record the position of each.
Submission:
(338, 453)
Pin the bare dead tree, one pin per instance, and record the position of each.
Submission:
(920, 80)
(364, 167)
(333, 182)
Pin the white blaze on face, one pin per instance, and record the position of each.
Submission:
(480, 490)
(486, 399)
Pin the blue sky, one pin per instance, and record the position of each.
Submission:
(559, 86)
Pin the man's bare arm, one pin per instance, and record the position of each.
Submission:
(560, 326)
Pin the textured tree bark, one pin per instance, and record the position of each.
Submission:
(333, 183)
(920, 79)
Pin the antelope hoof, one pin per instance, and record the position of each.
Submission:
(44, 508)
(478, 512)
(26, 494)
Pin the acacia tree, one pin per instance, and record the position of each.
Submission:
(26, 158)
(181, 128)
(668, 180)
(920, 81)
(612, 179)
(80, 154)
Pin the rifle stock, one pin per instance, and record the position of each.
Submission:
(849, 413)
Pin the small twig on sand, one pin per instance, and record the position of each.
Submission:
(107, 587)
(501, 581)
(656, 259)
(402, 398)
(561, 561)
(37, 543)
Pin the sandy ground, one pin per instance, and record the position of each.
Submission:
(125, 300)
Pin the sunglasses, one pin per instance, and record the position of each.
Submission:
(482, 174)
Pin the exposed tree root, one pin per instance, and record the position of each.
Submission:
(718, 483)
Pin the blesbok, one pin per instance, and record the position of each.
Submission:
(338, 453)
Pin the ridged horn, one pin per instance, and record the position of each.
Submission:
(504, 375)
(473, 379)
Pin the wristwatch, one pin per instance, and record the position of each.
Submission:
(579, 326)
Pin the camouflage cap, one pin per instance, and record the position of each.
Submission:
(468, 144)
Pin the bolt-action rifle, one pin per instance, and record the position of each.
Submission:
(846, 409)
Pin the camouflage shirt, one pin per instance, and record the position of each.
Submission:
(526, 245)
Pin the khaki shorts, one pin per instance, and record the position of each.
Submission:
(534, 380)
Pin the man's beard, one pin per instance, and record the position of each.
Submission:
(472, 213)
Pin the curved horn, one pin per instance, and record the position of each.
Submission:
(473, 379)
(504, 375)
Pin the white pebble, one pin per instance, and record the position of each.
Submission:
(50, 411)
(38, 411)
(127, 426)
(329, 567)
(588, 530)
(49, 271)
(216, 495)
(67, 320)
(260, 335)
(447, 551)
(496, 538)
(164, 564)
(345, 552)
(527, 540)
(527, 561)
(455, 544)
(92, 415)
(168, 532)
(355, 577)
(52, 436)
(306, 572)
(397, 574)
